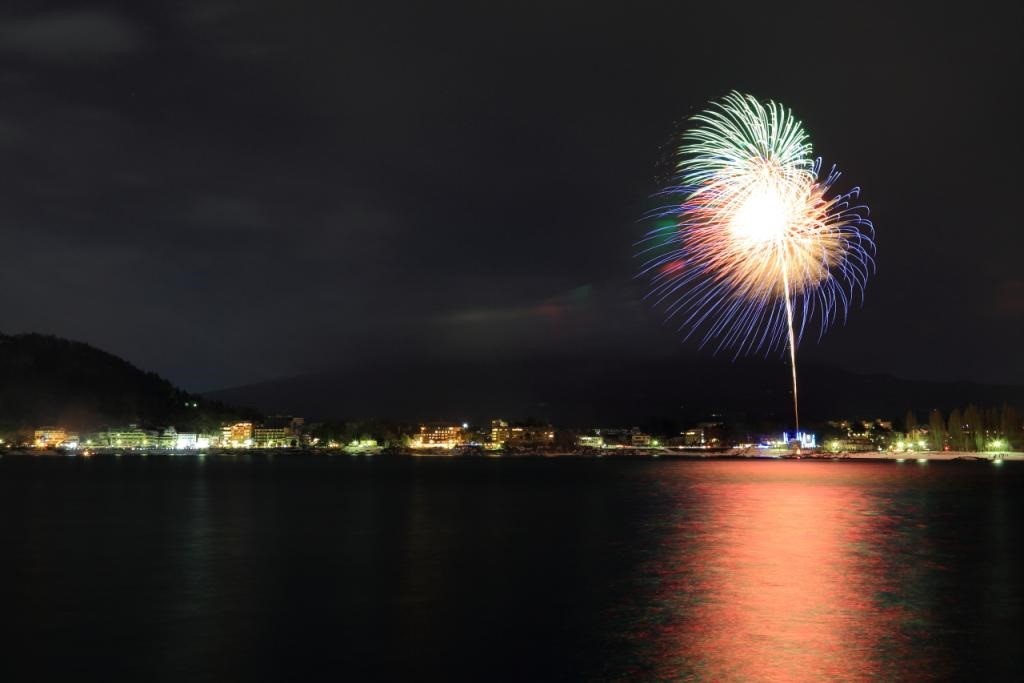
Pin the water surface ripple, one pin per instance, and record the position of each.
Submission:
(318, 568)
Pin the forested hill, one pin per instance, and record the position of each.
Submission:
(49, 380)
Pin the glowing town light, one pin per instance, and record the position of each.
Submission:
(805, 440)
(756, 247)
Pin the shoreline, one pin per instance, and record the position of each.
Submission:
(612, 454)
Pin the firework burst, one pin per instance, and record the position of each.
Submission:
(755, 247)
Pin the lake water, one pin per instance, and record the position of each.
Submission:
(342, 568)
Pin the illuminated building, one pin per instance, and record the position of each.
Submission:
(590, 441)
(638, 439)
(500, 432)
(695, 437)
(273, 437)
(279, 431)
(166, 439)
(531, 436)
(438, 436)
(131, 436)
(185, 441)
(871, 435)
(615, 438)
(713, 433)
(238, 435)
(49, 437)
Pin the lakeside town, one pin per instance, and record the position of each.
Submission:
(52, 403)
(997, 438)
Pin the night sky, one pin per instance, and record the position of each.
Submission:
(226, 192)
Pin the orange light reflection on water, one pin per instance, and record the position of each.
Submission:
(783, 583)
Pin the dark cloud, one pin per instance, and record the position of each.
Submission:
(229, 213)
(228, 191)
(1009, 301)
(72, 37)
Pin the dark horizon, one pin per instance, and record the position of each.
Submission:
(228, 193)
(594, 390)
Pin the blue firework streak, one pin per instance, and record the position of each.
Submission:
(754, 246)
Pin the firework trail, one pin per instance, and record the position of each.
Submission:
(755, 247)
